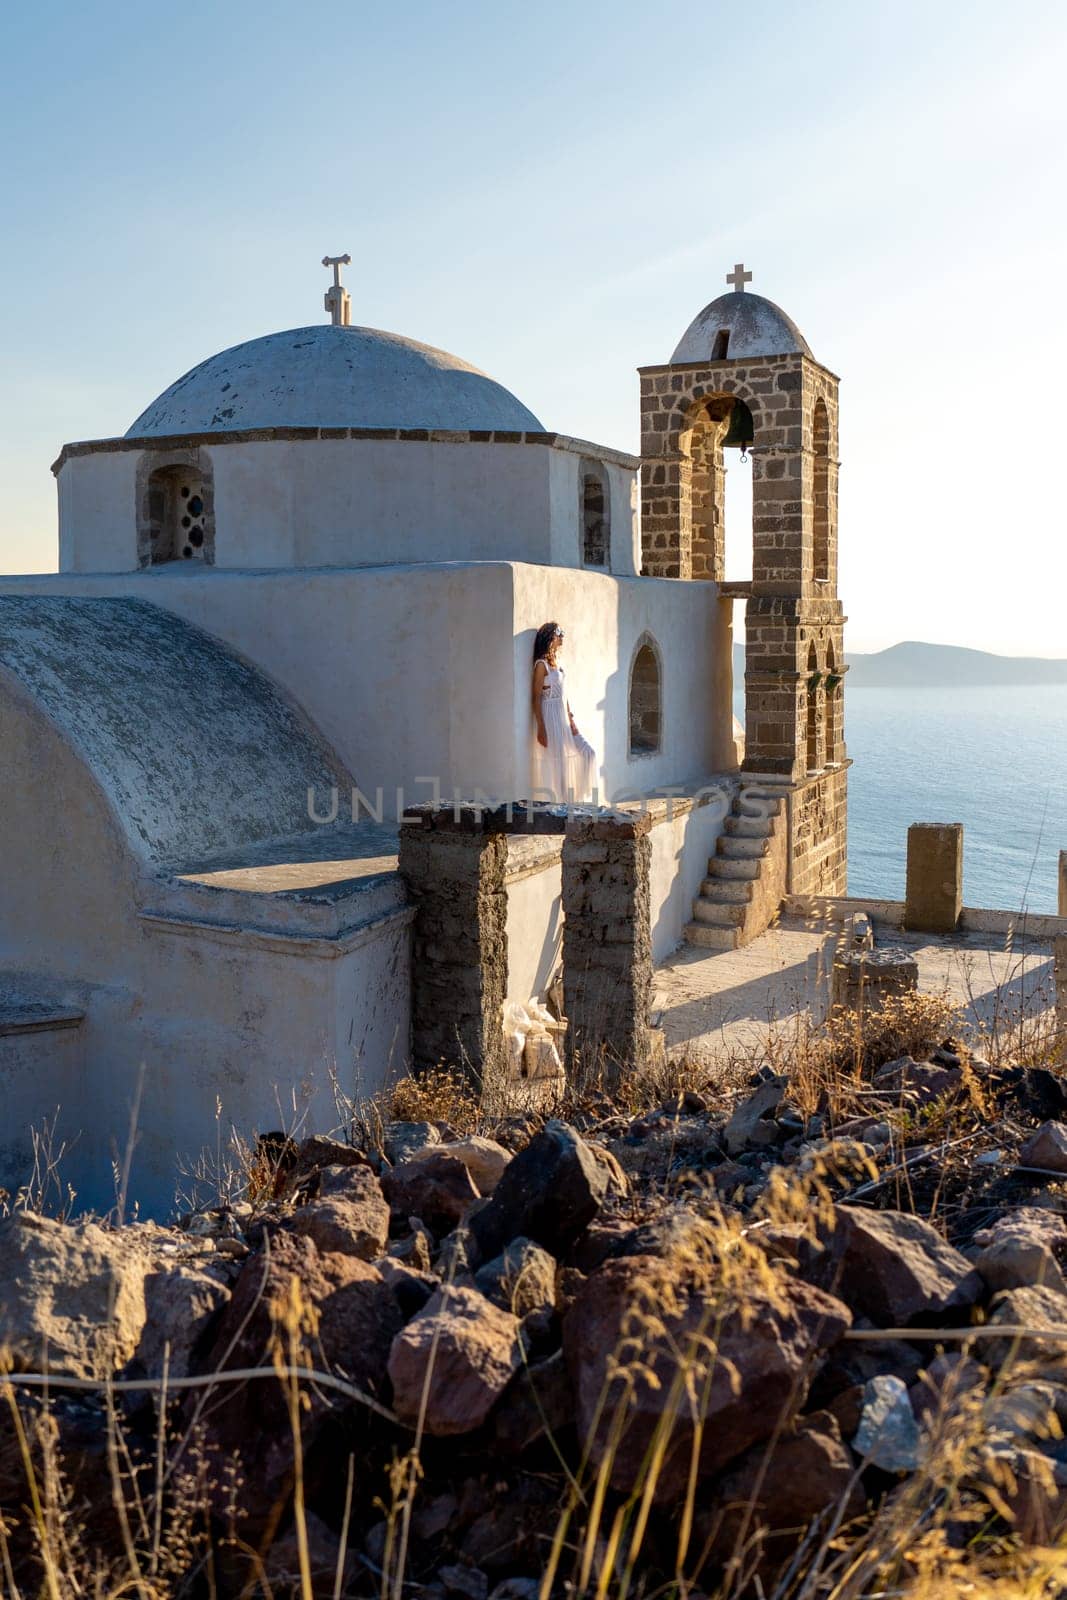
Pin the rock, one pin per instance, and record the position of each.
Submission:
(550, 1192)
(1030, 1487)
(72, 1299)
(888, 1434)
(766, 1347)
(538, 1404)
(1017, 1251)
(468, 1347)
(1038, 1311)
(350, 1217)
(780, 1489)
(182, 1306)
(517, 1589)
(521, 1279)
(1046, 1149)
(436, 1187)
(317, 1152)
(943, 1388)
(920, 1081)
(753, 1121)
(282, 1563)
(433, 1515)
(403, 1140)
(599, 1241)
(852, 1364)
(416, 1251)
(357, 1318)
(512, 1535)
(1028, 1413)
(470, 1583)
(618, 1182)
(411, 1288)
(452, 1263)
(894, 1268)
(484, 1159)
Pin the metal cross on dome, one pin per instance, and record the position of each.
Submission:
(739, 277)
(337, 300)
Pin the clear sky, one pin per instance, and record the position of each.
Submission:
(553, 191)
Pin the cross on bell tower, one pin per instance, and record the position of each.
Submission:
(337, 299)
(739, 277)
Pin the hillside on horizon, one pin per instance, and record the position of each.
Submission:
(914, 664)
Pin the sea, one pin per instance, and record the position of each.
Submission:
(994, 759)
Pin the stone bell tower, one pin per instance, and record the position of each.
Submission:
(743, 378)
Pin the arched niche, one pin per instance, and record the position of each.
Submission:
(175, 508)
(646, 698)
(594, 514)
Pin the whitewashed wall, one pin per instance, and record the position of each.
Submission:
(425, 671)
(356, 502)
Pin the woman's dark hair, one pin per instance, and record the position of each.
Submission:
(545, 635)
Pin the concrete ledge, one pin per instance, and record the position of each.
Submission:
(186, 441)
(973, 919)
(328, 946)
(36, 1016)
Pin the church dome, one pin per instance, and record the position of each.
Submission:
(752, 327)
(333, 377)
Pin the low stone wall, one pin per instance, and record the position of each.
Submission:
(456, 877)
(454, 863)
(607, 940)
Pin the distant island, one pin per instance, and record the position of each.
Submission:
(914, 665)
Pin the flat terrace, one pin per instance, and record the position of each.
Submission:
(716, 1004)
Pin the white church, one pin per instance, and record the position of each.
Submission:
(312, 567)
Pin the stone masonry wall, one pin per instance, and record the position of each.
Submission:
(820, 835)
(459, 954)
(607, 939)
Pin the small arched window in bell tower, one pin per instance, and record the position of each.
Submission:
(720, 350)
(812, 742)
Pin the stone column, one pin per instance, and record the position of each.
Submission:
(934, 893)
(454, 868)
(607, 940)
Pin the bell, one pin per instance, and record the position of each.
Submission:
(740, 432)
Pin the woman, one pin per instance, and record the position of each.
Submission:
(564, 763)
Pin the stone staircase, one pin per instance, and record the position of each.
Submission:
(746, 875)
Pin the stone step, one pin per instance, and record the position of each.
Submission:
(721, 913)
(742, 849)
(711, 938)
(747, 867)
(727, 891)
(748, 827)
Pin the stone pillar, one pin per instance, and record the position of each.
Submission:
(454, 871)
(934, 893)
(864, 979)
(607, 940)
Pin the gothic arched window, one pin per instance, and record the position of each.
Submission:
(646, 699)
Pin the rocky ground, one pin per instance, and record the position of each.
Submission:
(804, 1334)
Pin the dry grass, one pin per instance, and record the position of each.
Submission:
(973, 1519)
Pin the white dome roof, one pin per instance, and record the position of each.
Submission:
(333, 377)
(757, 327)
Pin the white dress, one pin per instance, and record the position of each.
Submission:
(566, 768)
